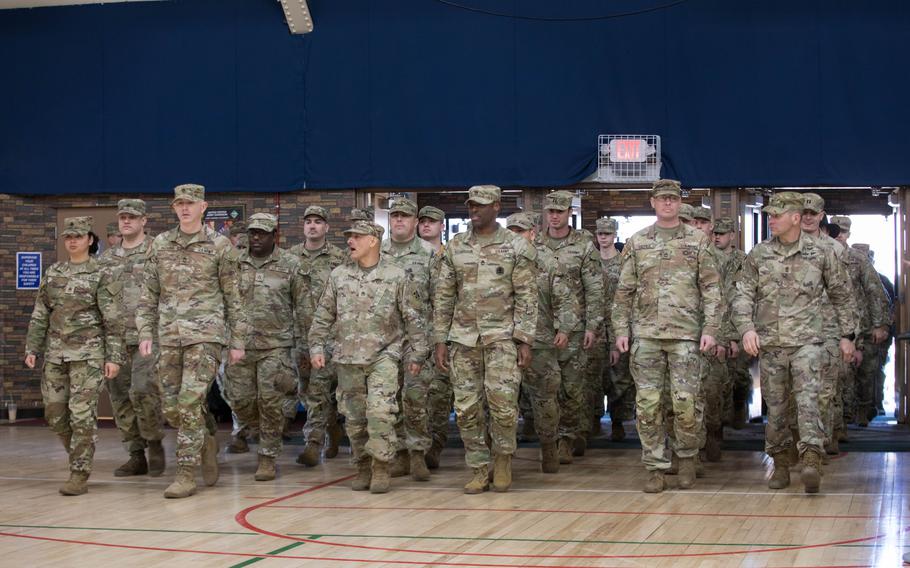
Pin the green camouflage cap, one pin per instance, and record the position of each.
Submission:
(189, 192)
(262, 221)
(77, 226)
(521, 220)
(814, 202)
(484, 194)
(607, 225)
(404, 206)
(701, 212)
(318, 211)
(862, 247)
(238, 228)
(785, 201)
(723, 225)
(433, 213)
(362, 214)
(113, 229)
(686, 212)
(558, 201)
(666, 187)
(366, 228)
(131, 207)
(842, 221)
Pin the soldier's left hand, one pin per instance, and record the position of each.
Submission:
(235, 355)
(614, 357)
(707, 343)
(414, 368)
(857, 358)
(847, 349)
(879, 334)
(590, 339)
(721, 353)
(111, 370)
(734, 350)
(524, 355)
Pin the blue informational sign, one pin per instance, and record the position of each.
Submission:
(28, 270)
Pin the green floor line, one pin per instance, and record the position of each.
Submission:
(267, 554)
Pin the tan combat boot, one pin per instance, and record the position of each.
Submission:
(184, 484)
(432, 456)
(686, 473)
(579, 445)
(811, 474)
(780, 477)
(655, 483)
(210, 460)
(549, 457)
(364, 475)
(502, 473)
(77, 484)
(401, 464)
(238, 445)
(156, 458)
(419, 471)
(136, 465)
(565, 451)
(617, 431)
(333, 433)
(266, 470)
(480, 482)
(310, 454)
(381, 480)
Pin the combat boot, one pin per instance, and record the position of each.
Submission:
(266, 470)
(334, 438)
(549, 457)
(712, 447)
(238, 445)
(380, 481)
(480, 482)
(401, 464)
(310, 454)
(210, 460)
(364, 475)
(66, 440)
(811, 474)
(184, 484)
(686, 473)
(565, 451)
(136, 465)
(77, 484)
(419, 471)
(579, 446)
(502, 473)
(432, 456)
(617, 431)
(780, 477)
(655, 483)
(156, 458)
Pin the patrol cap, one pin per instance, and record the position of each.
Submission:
(814, 202)
(723, 225)
(686, 212)
(362, 214)
(521, 220)
(404, 206)
(607, 225)
(558, 200)
(785, 201)
(862, 247)
(318, 211)
(113, 229)
(484, 194)
(842, 221)
(238, 228)
(666, 187)
(366, 228)
(702, 213)
(131, 207)
(431, 212)
(77, 226)
(262, 221)
(189, 192)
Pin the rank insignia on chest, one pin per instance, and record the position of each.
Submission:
(500, 270)
(70, 287)
(260, 277)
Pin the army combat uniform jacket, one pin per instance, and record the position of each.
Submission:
(579, 263)
(130, 266)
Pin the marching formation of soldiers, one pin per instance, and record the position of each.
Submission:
(534, 319)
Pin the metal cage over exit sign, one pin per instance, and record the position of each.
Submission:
(628, 158)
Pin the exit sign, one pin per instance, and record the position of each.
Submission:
(628, 150)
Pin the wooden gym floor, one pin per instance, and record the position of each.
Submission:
(590, 514)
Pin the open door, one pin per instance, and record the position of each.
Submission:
(901, 198)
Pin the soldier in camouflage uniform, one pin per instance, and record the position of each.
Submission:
(778, 308)
(669, 300)
(540, 380)
(114, 237)
(76, 324)
(431, 222)
(579, 264)
(415, 257)
(362, 214)
(485, 307)
(276, 302)
(318, 258)
(369, 307)
(136, 392)
(192, 298)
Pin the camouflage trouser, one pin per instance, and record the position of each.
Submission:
(238, 426)
(716, 385)
(321, 403)
(540, 382)
(136, 401)
(598, 357)
(831, 411)
(673, 365)
(838, 405)
(866, 377)
(439, 401)
(259, 386)
(413, 425)
(796, 370)
(368, 399)
(573, 396)
(290, 405)
(848, 391)
(740, 383)
(70, 391)
(883, 358)
(186, 374)
(620, 389)
(486, 377)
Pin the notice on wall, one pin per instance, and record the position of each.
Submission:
(28, 270)
(221, 219)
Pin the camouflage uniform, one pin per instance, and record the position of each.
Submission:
(192, 298)
(76, 324)
(371, 311)
(440, 397)
(485, 299)
(579, 265)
